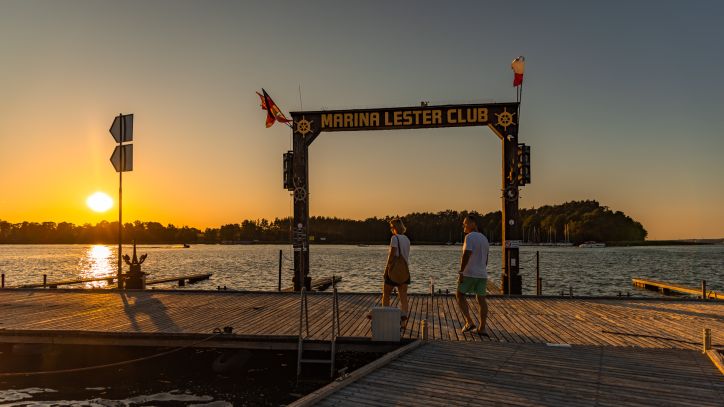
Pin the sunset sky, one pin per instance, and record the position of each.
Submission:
(623, 103)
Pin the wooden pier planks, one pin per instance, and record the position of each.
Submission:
(667, 288)
(643, 323)
(451, 374)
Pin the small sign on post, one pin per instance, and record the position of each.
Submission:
(122, 160)
(127, 154)
(122, 128)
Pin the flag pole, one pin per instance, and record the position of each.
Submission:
(519, 99)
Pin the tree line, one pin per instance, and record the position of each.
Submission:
(575, 221)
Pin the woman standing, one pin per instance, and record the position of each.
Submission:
(399, 246)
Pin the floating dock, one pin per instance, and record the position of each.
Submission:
(270, 320)
(182, 281)
(514, 374)
(320, 284)
(552, 351)
(670, 288)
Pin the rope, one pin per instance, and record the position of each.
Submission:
(217, 332)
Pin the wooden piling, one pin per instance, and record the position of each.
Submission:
(703, 290)
(3, 281)
(706, 341)
(423, 329)
(45, 280)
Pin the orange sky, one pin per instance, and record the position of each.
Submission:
(602, 126)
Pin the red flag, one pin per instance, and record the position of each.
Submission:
(273, 113)
(518, 66)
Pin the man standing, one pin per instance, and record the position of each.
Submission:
(473, 276)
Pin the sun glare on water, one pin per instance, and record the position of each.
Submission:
(99, 202)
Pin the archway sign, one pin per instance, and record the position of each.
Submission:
(501, 118)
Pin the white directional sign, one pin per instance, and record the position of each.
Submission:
(127, 158)
(122, 128)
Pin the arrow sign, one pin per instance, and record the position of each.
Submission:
(127, 158)
(122, 133)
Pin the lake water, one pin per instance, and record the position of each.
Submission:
(606, 271)
(270, 380)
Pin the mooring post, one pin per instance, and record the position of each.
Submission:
(540, 286)
(279, 282)
(706, 342)
(3, 281)
(703, 290)
(45, 280)
(570, 290)
(537, 273)
(423, 329)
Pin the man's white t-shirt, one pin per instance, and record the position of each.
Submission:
(404, 246)
(476, 243)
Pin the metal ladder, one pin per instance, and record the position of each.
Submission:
(304, 328)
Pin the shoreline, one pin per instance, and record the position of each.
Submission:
(702, 242)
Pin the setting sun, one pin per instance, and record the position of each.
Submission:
(99, 202)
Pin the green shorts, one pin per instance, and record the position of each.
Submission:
(472, 285)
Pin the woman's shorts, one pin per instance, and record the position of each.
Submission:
(394, 284)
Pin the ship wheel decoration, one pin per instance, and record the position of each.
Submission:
(505, 119)
(304, 126)
(511, 193)
(300, 194)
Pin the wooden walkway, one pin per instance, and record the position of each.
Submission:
(467, 374)
(111, 279)
(172, 318)
(670, 288)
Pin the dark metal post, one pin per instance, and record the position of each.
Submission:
(537, 273)
(120, 204)
(507, 261)
(300, 226)
(703, 290)
(45, 280)
(279, 282)
(510, 219)
(3, 281)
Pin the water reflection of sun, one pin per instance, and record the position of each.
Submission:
(98, 262)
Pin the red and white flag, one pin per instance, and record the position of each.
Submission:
(518, 67)
(273, 113)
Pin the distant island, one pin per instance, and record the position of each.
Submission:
(574, 222)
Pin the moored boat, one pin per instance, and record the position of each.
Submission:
(590, 244)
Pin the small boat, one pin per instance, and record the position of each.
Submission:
(590, 244)
(186, 246)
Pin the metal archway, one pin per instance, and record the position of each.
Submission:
(499, 117)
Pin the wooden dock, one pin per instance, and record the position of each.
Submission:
(111, 279)
(320, 284)
(270, 319)
(669, 288)
(514, 374)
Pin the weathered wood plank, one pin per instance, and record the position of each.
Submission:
(615, 322)
(666, 288)
(448, 373)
